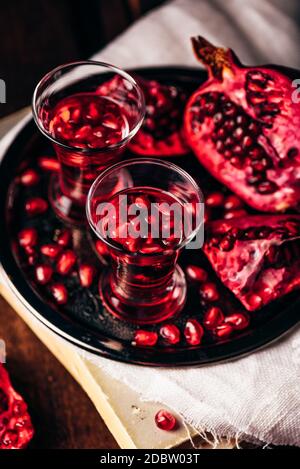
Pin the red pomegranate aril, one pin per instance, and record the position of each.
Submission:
(196, 273)
(215, 199)
(193, 332)
(145, 338)
(101, 248)
(28, 237)
(227, 243)
(59, 293)
(63, 238)
(86, 275)
(36, 206)
(29, 178)
(209, 292)
(66, 262)
(232, 203)
(213, 317)
(48, 163)
(50, 250)
(32, 259)
(267, 187)
(170, 333)
(254, 301)
(165, 420)
(238, 321)
(223, 331)
(235, 214)
(43, 274)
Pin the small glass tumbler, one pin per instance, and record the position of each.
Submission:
(144, 227)
(89, 111)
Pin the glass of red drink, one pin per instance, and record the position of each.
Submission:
(144, 225)
(89, 111)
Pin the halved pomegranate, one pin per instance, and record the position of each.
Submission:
(244, 128)
(16, 429)
(161, 133)
(256, 257)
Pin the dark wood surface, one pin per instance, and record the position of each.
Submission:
(62, 414)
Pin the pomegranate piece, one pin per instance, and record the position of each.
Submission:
(29, 178)
(170, 333)
(196, 274)
(48, 164)
(244, 128)
(213, 317)
(16, 429)
(145, 338)
(43, 273)
(50, 250)
(161, 133)
(59, 293)
(28, 237)
(193, 332)
(165, 420)
(86, 275)
(66, 262)
(256, 257)
(36, 206)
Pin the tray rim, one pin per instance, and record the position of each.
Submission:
(194, 356)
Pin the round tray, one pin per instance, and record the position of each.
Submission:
(83, 320)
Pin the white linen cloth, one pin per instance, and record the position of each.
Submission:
(256, 397)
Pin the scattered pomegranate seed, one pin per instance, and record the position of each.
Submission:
(29, 178)
(235, 214)
(196, 273)
(48, 164)
(209, 292)
(86, 275)
(165, 420)
(101, 248)
(32, 259)
(65, 262)
(213, 317)
(223, 331)
(255, 301)
(36, 206)
(215, 199)
(28, 237)
(170, 333)
(59, 293)
(63, 238)
(193, 332)
(43, 273)
(50, 250)
(232, 202)
(237, 320)
(145, 338)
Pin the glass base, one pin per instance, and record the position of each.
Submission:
(144, 313)
(66, 208)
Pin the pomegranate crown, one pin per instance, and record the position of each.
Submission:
(216, 59)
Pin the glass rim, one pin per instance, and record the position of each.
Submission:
(132, 161)
(113, 68)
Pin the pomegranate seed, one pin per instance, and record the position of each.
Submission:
(232, 202)
(254, 301)
(237, 321)
(209, 292)
(227, 243)
(32, 259)
(196, 273)
(65, 262)
(29, 178)
(43, 274)
(86, 275)
(235, 214)
(50, 250)
(48, 164)
(63, 238)
(59, 292)
(145, 338)
(165, 420)
(213, 317)
(223, 331)
(215, 199)
(193, 332)
(101, 248)
(267, 187)
(170, 333)
(36, 206)
(28, 237)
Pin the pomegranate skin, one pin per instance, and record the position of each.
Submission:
(244, 128)
(261, 261)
